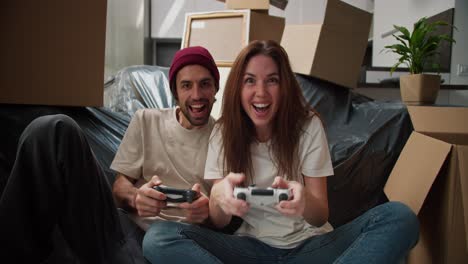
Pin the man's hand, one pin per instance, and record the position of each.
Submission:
(294, 206)
(223, 194)
(148, 201)
(198, 210)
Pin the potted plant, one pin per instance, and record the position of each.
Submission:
(415, 49)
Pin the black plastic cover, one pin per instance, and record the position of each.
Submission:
(365, 136)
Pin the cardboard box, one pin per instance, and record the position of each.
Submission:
(248, 4)
(225, 33)
(333, 50)
(431, 177)
(281, 4)
(53, 52)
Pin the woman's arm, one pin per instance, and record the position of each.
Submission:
(223, 205)
(217, 216)
(316, 200)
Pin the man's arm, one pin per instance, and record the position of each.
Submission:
(196, 212)
(145, 201)
(124, 192)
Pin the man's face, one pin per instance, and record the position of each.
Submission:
(196, 92)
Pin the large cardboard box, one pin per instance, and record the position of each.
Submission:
(333, 50)
(431, 177)
(52, 52)
(248, 4)
(225, 33)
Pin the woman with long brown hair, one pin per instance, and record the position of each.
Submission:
(267, 129)
(268, 136)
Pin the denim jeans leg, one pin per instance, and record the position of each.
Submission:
(164, 242)
(171, 242)
(384, 234)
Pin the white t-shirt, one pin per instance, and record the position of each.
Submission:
(266, 223)
(156, 144)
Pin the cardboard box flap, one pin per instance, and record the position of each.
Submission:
(452, 138)
(348, 18)
(266, 27)
(445, 123)
(463, 171)
(309, 36)
(352, 53)
(416, 169)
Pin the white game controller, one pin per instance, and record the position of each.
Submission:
(261, 197)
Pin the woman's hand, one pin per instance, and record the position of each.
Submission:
(148, 201)
(223, 205)
(223, 195)
(295, 206)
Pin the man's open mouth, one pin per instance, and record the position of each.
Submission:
(197, 108)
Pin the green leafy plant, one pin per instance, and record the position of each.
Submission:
(415, 48)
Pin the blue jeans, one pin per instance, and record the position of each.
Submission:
(384, 234)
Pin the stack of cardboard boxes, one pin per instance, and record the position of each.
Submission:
(332, 51)
(431, 177)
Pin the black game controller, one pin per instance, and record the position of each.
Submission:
(175, 195)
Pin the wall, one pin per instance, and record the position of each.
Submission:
(405, 13)
(168, 17)
(124, 35)
(402, 13)
(460, 49)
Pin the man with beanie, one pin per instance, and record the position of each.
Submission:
(57, 188)
(169, 146)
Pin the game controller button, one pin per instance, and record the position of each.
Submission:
(283, 197)
(242, 196)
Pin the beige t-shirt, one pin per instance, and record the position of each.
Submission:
(265, 222)
(156, 144)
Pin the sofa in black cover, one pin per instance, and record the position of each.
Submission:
(365, 136)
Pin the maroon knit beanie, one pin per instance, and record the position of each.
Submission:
(189, 56)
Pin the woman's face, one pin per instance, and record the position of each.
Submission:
(260, 93)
